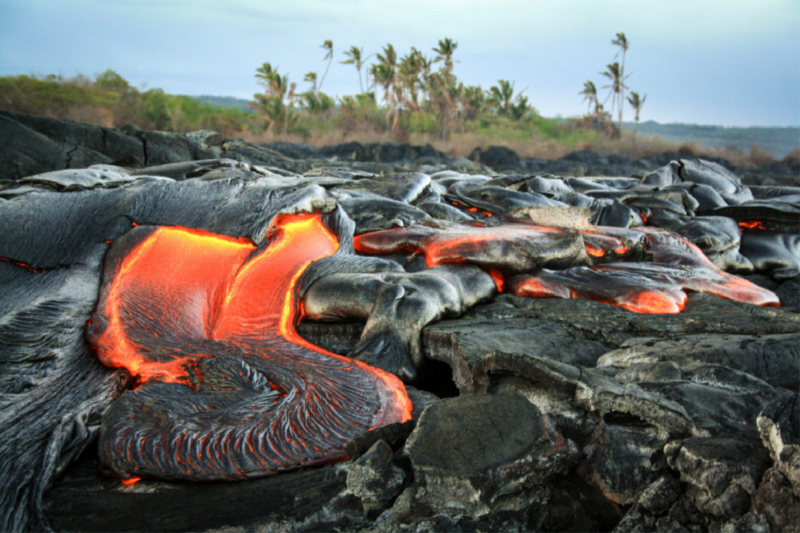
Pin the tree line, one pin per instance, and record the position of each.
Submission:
(419, 92)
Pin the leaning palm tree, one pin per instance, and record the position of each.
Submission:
(384, 73)
(636, 104)
(355, 58)
(277, 102)
(327, 45)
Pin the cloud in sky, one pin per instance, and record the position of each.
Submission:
(710, 62)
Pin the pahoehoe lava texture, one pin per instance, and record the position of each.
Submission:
(260, 399)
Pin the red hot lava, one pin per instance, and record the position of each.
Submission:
(644, 287)
(177, 307)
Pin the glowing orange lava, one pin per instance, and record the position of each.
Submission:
(209, 286)
(677, 265)
(752, 224)
(23, 265)
(472, 209)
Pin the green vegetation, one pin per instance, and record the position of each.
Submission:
(110, 100)
(414, 97)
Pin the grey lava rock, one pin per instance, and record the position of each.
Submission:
(374, 478)
(469, 451)
(779, 427)
(722, 473)
(464, 343)
(775, 499)
(661, 494)
(748, 523)
(773, 358)
(621, 460)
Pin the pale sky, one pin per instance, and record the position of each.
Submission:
(725, 62)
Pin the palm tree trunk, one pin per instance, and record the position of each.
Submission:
(326, 73)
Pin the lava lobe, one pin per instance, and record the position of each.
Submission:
(228, 389)
(644, 270)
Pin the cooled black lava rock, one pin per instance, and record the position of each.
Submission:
(468, 452)
(373, 477)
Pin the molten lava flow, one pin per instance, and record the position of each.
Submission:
(752, 224)
(172, 278)
(186, 306)
(658, 287)
(637, 287)
(500, 250)
(472, 209)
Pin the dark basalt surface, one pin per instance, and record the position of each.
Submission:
(546, 414)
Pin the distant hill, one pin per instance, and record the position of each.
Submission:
(223, 101)
(778, 141)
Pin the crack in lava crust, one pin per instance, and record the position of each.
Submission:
(228, 389)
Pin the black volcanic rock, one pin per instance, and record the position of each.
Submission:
(24, 152)
(506, 447)
(112, 143)
(373, 477)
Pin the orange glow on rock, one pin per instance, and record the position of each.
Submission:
(178, 272)
(471, 209)
(599, 244)
(131, 481)
(594, 250)
(182, 306)
(752, 224)
(498, 278)
(532, 287)
(23, 265)
(655, 302)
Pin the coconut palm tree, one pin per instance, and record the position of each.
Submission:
(311, 77)
(589, 93)
(409, 70)
(277, 102)
(327, 45)
(623, 44)
(500, 97)
(473, 100)
(521, 108)
(636, 104)
(384, 73)
(316, 103)
(445, 53)
(355, 58)
(616, 88)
